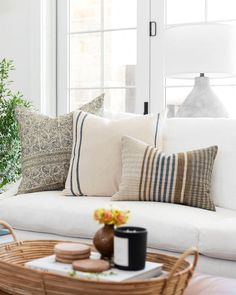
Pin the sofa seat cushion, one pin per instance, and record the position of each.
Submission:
(218, 239)
(170, 227)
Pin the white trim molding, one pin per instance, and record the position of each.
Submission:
(48, 56)
(35, 53)
(42, 55)
(157, 90)
(143, 58)
(63, 57)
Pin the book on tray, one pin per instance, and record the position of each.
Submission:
(49, 264)
(5, 236)
(4, 232)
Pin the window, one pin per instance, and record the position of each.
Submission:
(197, 11)
(104, 46)
(101, 51)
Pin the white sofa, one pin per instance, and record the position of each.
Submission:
(171, 228)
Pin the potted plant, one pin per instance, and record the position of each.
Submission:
(10, 149)
(110, 217)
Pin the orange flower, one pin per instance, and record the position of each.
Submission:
(107, 217)
(121, 218)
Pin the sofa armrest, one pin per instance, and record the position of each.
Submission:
(11, 190)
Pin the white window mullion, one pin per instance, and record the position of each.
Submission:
(103, 30)
(63, 57)
(157, 89)
(48, 57)
(143, 53)
(102, 44)
(103, 87)
(35, 57)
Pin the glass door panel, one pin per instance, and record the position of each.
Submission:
(120, 14)
(85, 15)
(103, 52)
(79, 97)
(120, 58)
(85, 60)
(184, 11)
(221, 10)
(103, 46)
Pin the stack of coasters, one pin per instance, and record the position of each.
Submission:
(89, 265)
(69, 252)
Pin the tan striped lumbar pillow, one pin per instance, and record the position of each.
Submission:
(148, 174)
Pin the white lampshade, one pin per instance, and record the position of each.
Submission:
(205, 48)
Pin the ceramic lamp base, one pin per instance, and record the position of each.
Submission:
(202, 102)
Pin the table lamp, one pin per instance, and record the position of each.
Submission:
(201, 51)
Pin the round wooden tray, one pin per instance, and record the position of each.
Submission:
(16, 279)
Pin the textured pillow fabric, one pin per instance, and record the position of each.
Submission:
(46, 147)
(95, 106)
(95, 167)
(148, 174)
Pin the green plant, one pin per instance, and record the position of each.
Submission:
(10, 149)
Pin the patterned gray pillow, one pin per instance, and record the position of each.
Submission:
(95, 106)
(46, 147)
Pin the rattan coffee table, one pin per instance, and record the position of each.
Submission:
(16, 279)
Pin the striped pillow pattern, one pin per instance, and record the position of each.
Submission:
(95, 166)
(74, 173)
(150, 175)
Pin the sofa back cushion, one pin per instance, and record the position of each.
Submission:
(186, 134)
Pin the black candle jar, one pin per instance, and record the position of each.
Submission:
(130, 245)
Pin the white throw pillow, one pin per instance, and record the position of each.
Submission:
(95, 167)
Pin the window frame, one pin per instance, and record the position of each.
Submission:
(63, 49)
(143, 57)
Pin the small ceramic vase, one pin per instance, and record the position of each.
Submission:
(103, 240)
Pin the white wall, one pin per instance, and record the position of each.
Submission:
(20, 36)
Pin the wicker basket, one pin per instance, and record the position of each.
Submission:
(16, 279)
